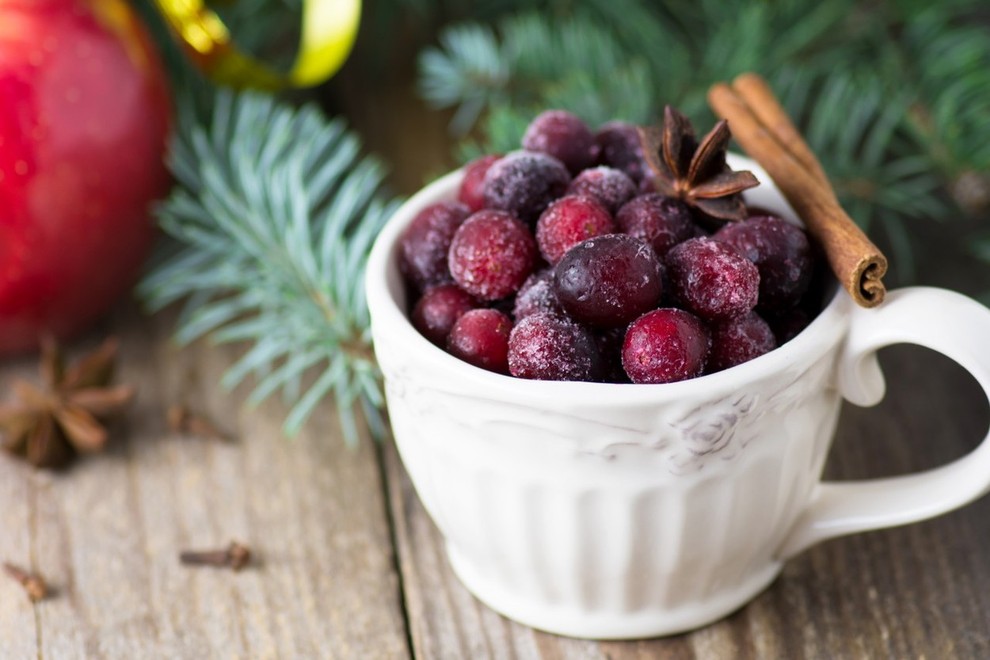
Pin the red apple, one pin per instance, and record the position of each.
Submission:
(84, 117)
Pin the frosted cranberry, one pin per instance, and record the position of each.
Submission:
(567, 222)
(621, 148)
(781, 252)
(664, 346)
(563, 136)
(439, 308)
(739, 340)
(426, 241)
(712, 279)
(536, 295)
(491, 255)
(608, 280)
(524, 183)
(661, 221)
(606, 185)
(472, 190)
(481, 337)
(546, 346)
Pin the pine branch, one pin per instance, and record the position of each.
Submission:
(275, 212)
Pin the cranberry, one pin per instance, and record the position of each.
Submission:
(481, 337)
(524, 183)
(567, 222)
(621, 148)
(712, 279)
(564, 136)
(435, 313)
(491, 254)
(739, 340)
(426, 241)
(536, 295)
(546, 346)
(664, 346)
(606, 185)
(781, 252)
(663, 222)
(608, 280)
(472, 190)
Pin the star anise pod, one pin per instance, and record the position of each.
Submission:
(696, 173)
(49, 425)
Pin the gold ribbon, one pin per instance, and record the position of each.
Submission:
(328, 31)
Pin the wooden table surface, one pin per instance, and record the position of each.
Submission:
(350, 566)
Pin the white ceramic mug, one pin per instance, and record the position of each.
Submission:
(621, 511)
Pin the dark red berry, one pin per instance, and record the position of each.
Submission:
(739, 340)
(663, 222)
(492, 254)
(621, 148)
(426, 241)
(546, 346)
(781, 252)
(472, 190)
(481, 337)
(608, 280)
(563, 136)
(524, 183)
(536, 295)
(439, 308)
(664, 346)
(606, 185)
(567, 222)
(712, 279)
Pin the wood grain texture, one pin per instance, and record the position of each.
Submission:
(918, 591)
(107, 533)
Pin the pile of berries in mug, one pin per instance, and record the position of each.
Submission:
(560, 262)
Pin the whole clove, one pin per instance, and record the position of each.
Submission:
(235, 556)
(33, 584)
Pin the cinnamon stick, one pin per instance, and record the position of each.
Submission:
(767, 134)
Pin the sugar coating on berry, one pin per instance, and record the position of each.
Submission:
(781, 252)
(622, 149)
(661, 221)
(546, 346)
(664, 346)
(536, 295)
(739, 340)
(426, 241)
(564, 136)
(481, 337)
(712, 279)
(609, 280)
(472, 190)
(438, 309)
(567, 222)
(606, 185)
(491, 255)
(523, 183)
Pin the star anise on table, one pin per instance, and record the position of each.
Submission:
(696, 172)
(51, 424)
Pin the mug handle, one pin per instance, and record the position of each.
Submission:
(941, 320)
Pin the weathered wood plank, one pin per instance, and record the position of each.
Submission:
(918, 591)
(108, 532)
(18, 633)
